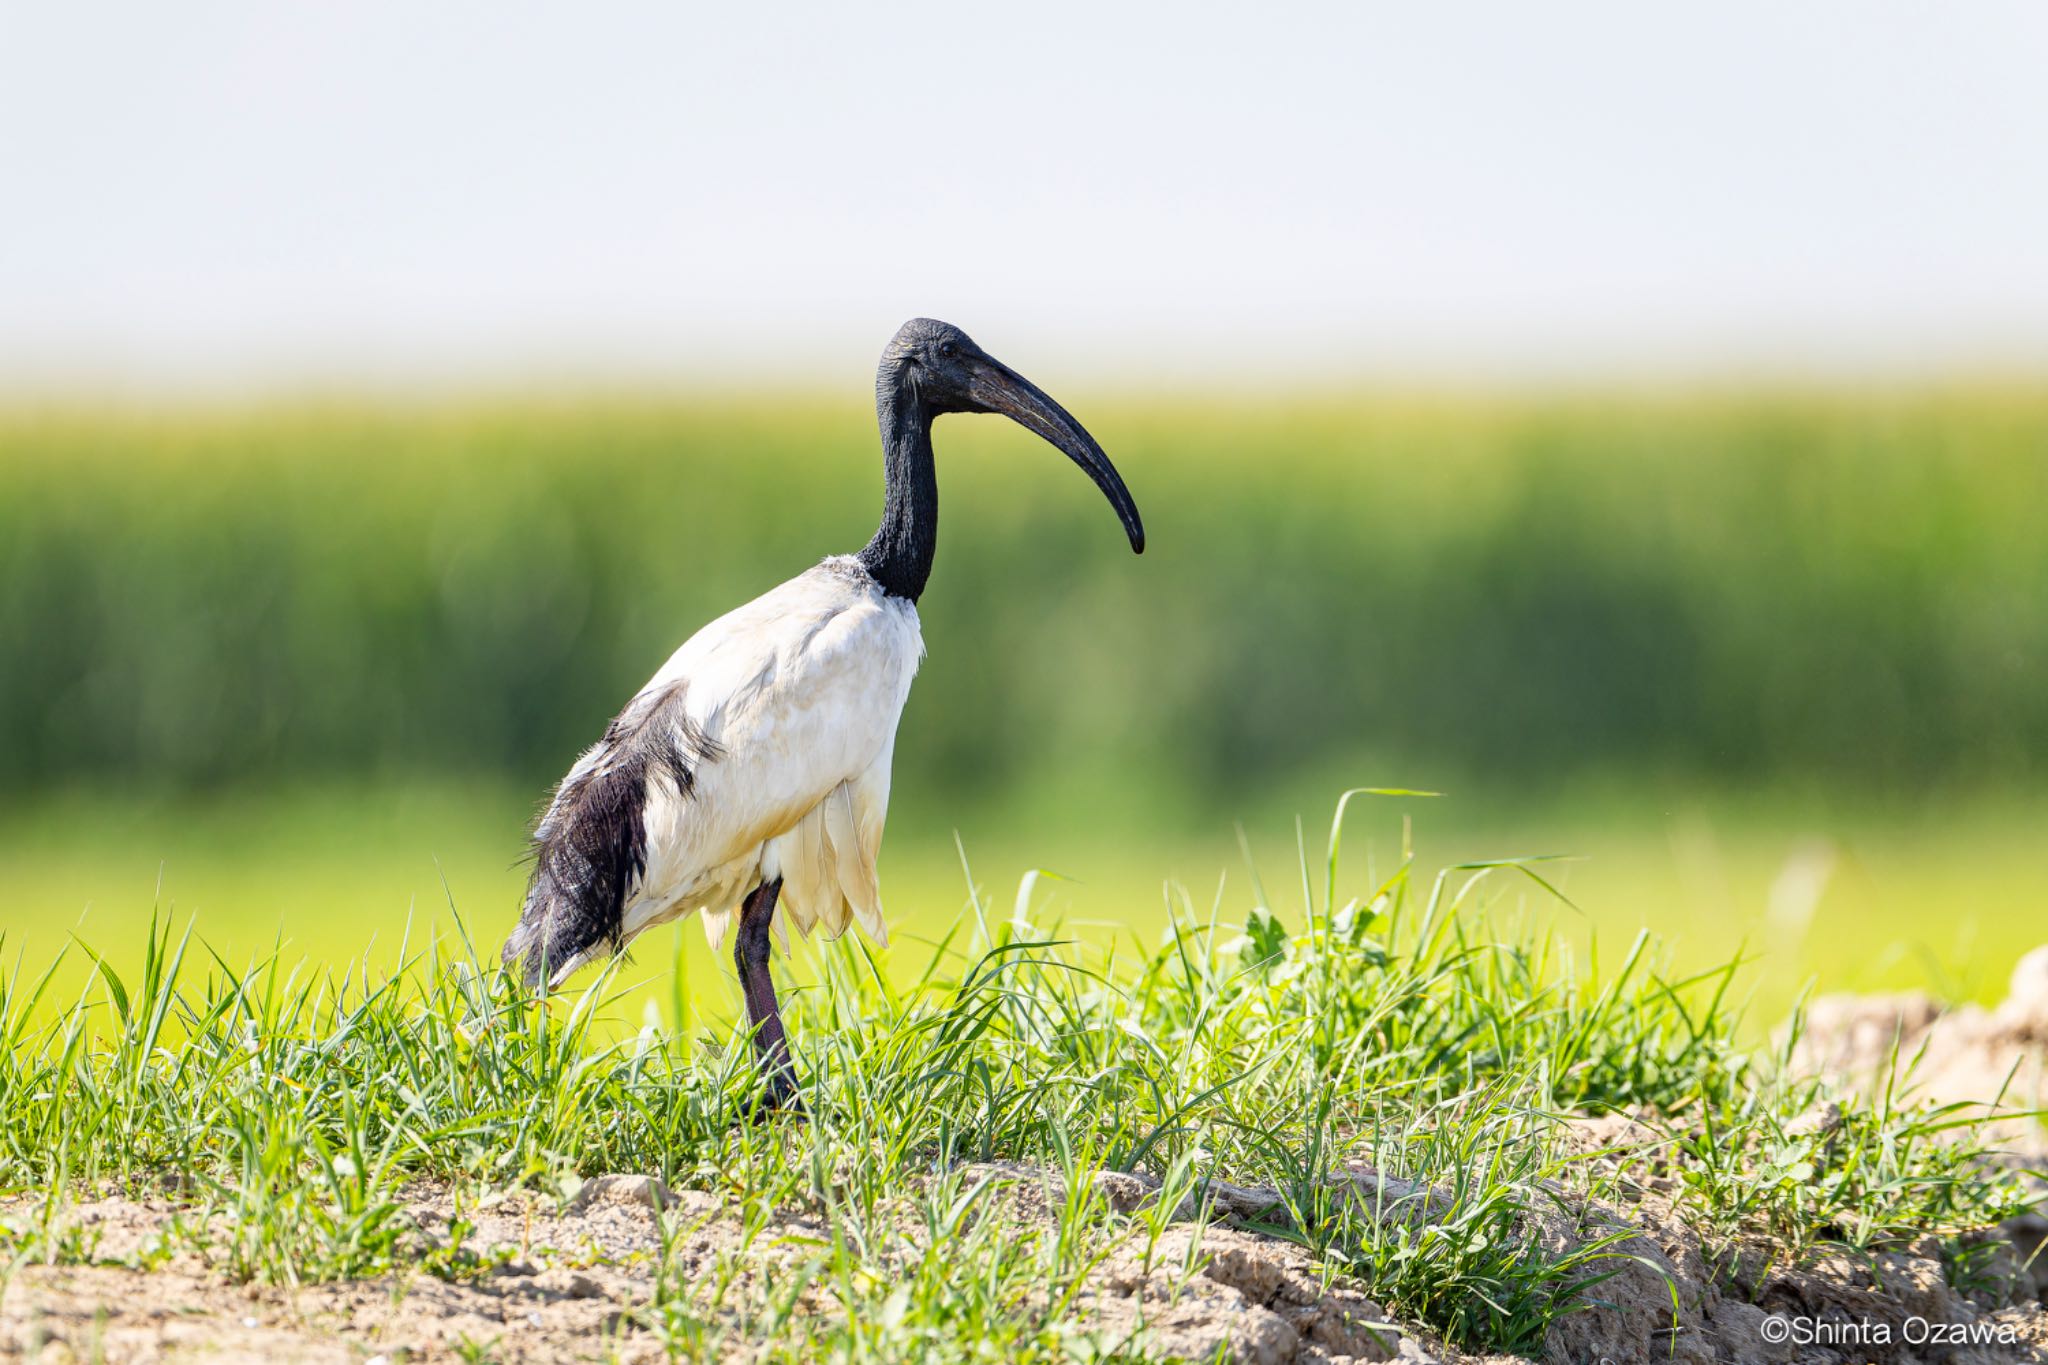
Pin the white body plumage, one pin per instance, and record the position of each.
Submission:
(790, 705)
(801, 690)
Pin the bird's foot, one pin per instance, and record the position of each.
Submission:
(781, 1097)
(778, 1097)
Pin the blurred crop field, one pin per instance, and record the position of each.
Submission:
(1768, 665)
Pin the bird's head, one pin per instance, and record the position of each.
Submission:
(946, 372)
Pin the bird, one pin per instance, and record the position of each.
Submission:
(750, 776)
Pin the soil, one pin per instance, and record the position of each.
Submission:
(1961, 1055)
(549, 1279)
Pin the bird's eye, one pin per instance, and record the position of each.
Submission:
(948, 349)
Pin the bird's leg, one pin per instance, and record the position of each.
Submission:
(750, 952)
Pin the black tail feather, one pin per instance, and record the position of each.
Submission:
(590, 848)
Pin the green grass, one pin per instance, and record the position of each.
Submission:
(1411, 1019)
(1820, 894)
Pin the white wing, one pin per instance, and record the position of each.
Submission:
(798, 694)
(828, 861)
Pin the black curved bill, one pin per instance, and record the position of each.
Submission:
(998, 388)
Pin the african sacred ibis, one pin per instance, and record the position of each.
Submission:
(753, 769)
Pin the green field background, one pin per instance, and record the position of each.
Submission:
(1771, 662)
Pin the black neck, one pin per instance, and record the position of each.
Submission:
(900, 555)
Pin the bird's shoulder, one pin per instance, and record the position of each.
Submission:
(831, 614)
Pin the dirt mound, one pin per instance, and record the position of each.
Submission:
(538, 1286)
(534, 1278)
(549, 1280)
(562, 1279)
(1965, 1055)
(525, 1276)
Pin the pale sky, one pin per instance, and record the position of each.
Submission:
(416, 192)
